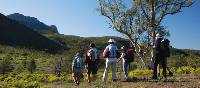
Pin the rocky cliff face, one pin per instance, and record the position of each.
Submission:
(32, 23)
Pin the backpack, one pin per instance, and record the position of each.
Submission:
(76, 63)
(106, 54)
(87, 58)
(130, 55)
(92, 57)
(165, 47)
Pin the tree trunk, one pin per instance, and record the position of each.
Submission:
(153, 28)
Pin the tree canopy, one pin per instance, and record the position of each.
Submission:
(142, 20)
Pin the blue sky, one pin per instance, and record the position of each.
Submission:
(79, 17)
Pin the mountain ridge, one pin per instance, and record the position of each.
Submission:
(32, 23)
(14, 33)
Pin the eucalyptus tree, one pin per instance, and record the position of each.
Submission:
(152, 13)
(140, 21)
(123, 20)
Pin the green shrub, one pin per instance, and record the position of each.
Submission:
(19, 84)
(33, 84)
(139, 72)
(197, 70)
(5, 65)
(185, 70)
(54, 78)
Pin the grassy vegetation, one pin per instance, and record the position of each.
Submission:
(18, 61)
(36, 80)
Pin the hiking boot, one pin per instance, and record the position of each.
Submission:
(77, 83)
(154, 77)
(125, 79)
(170, 73)
(89, 81)
(114, 80)
(164, 79)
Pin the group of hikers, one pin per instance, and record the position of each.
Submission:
(113, 55)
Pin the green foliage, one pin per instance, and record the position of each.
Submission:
(197, 70)
(185, 70)
(25, 80)
(54, 78)
(32, 66)
(5, 65)
(140, 72)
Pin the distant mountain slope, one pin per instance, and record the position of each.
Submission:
(16, 34)
(32, 23)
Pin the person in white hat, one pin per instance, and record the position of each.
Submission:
(158, 58)
(124, 57)
(111, 59)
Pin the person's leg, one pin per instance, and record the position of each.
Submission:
(88, 77)
(125, 69)
(73, 76)
(89, 72)
(164, 66)
(94, 77)
(95, 72)
(158, 70)
(105, 74)
(155, 64)
(76, 78)
(113, 66)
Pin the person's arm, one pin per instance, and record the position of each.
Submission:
(73, 64)
(82, 63)
(122, 56)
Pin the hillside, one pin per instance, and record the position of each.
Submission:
(18, 63)
(19, 36)
(16, 34)
(32, 23)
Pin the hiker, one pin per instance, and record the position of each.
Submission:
(159, 59)
(111, 54)
(124, 57)
(165, 53)
(77, 68)
(130, 52)
(92, 62)
(127, 55)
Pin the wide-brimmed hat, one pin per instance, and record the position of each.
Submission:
(111, 40)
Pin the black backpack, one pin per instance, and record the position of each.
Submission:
(165, 43)
(130, 55)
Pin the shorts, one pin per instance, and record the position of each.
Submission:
(92, 67)
(77, 72)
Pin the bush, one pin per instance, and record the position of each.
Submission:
(54, 78)
(140, 72)
(185, 70)
(197, 70)
(19, 84)
(32, 66)
(5, 65)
